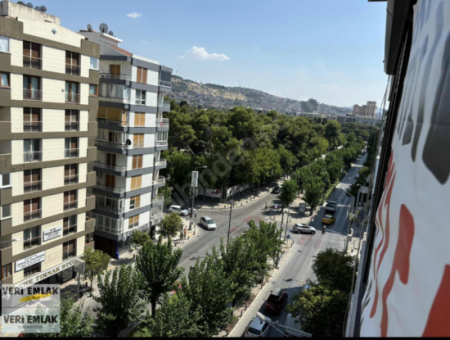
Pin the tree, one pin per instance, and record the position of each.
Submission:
(158, 265)
(334, 269)
(74, 323)
(96, 263)
(332, 131)
(139, 238)
(120, 301)
(313, 192)
(302, 176)
(171, 225)
(287, 160)
(167, 194)
(321, 311)
(288, 192)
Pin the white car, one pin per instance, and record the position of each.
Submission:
(301, 228)
(178, 210)
(208, 223)
(257, 328)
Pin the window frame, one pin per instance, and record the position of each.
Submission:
(8, 76)
(10, 271)
(97, 63)
(96, 91)
(9, 44)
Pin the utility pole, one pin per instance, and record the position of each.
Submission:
(281, 226)
(194, 184)
(229, 221)
(287, 222)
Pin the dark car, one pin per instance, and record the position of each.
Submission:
(276, 190)
(276, 301)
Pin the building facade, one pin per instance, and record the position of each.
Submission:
(369, 110)
(131, 135)
(48, 105)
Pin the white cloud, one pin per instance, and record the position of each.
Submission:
(134, 15)
(199, 53)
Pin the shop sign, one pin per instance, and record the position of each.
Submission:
(52, 233)
(29, 261)
(31, 280)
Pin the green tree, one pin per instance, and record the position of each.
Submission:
(120, 302)
(313, 192)
(96, 263)
(158, 265)
(332, 131)
(302, 176)
(171, 225)
(287, 160)
(138, 239)
(288, 192)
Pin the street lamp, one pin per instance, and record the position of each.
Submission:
(286, 211)
(229, 221)
(194, 185)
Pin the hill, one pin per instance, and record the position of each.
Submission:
(218, 96)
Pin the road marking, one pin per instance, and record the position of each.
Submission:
(318, 243)
(248, 219)
(308, 241)
(302, 241)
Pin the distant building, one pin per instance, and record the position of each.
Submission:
(355, 119)
(368, 110)
(310, 106)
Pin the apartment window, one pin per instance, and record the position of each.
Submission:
(136, 182)
(71, 145)
(6, 271)
(72, 120)
(93, 90)
(32, 55)
(139, 119)
(32, 121)
(114, 70)
(115, 91)
(72, 93)
(31, 209)
(35, 268)
(135, 202)
(134, 222)
(137, 161)
(93, 63)
(110, 181)
(89, 238)
(166, 79)
(140, 97)
(114, 116)
(5, 211)
(138, 140)
(72, 63)
(5, 180)
(70, 174)
(141, 75)
(70, 200)
(111, 159)
(4, 79)
(32, 180)
(32, 238)
(4, 44)
(69, 249)
(69, 225)
(32, 88)
(163, 136)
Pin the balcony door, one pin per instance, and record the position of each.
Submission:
(71, 143)
(71, 91)
(70, 199)
(114, 70)
(71, 120)
(110, 181)
(70, 174)
(111, 159)
(30, 207)
(31, 55)
(32, 180)
(31, 87)
(72, 63)
(31, 119)
(31, 145)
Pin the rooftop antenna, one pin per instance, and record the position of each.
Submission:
(111, 33)
(30, 5)
(43, 9)
(89, 28)
(103, 28)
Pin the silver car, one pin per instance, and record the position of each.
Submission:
(208, 223)
(301, 228)
(257, 328)
(178, 210)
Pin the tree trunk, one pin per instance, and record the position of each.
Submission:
(153, 302)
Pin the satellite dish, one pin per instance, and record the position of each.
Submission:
(128, 142)
(103, 28)
(111, 33)
(43, 9)
(89, 27)
(30, 5)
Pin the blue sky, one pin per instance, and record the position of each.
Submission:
(329, 50)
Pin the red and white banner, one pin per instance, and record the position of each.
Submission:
(408, 293)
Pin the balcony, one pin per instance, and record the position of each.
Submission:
(32, 94)
(114, 99)
(111, 122)
(32, 215)
(158, 199)
(72, 98)
(162, 122)
(115, 210)
(136, 146)
(109, 144)
(162, 143)
(70, 230)
(115, 76)
(32, 126)
(32, 156)
(165, 83)
(69, 254)
(72, 126)
(31, 243)
(73, 179)
(70, 205)
(32, 186)
(73, 70)
(71, 153)
(160, 180)
(110, 189)
(161, 163)
(112, 167)
(164, 105)
(156, 218)
(32, 62)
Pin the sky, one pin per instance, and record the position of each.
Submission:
(328, 50)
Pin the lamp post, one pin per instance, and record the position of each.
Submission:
(194, 184)
(287, 222)
(229, 222)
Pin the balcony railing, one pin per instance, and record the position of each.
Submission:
(159, 180)
(161, 162)
(161, 143)
(31, 243)
(165, 83)
(32, 156)
(73, 69)
(72, 153)
(111, 122)
(72, 179)
(69, 254)
(110, 189)
(137, 145)
(162, 122)
(72, 98)
(32, 62)
(70, 230)
(115, 210)
(32, 215)
(114, 76)
(110, 144)
(32, 94)
(32, 186)
(164, 106)
(157, 217)
(32, 126)
(114, 99)
(70, 205)
(112, 167)
(158, 198)
(72, 126)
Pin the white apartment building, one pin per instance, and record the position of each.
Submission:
(369, 110)
(131, 135)
(48, 105)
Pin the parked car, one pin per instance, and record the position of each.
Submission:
(328, 219)
(257, 328)
(276, 190)
(178, 210)
(301, 228)
(276, 301)
(208, 223)
(357, 176)
(331, 206)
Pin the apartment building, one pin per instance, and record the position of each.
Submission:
(131, 135)
(369, 110)
(49, 76)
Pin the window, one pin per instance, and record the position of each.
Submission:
(72, 122)
(166, 79)
(70, 174)
(4, 44)
(31, 209)
(32, 119)
(5, 180)
(134, 222)
(4, 79)
(114, 70)
(89, 238)
(32, 180)
(72, 63)
(72, 93)
(32, 55)
(69, 249)
(141, 75)
(32, 88)
(70, 200)
(35, 268)
(136, 182)
(138, 140)
(93, 90)
(135, 202)
(137, 161)
(93, 64)
(5, 211)
(163, 136)
(139, 119)
(69, 225)
(110, 181)
(32, 238)
(115, 116)
(140, 97)
(111, 159)
(71, 145)
(7, 271)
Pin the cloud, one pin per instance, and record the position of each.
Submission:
(199, 53)
(134, 15)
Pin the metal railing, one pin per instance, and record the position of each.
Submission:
(161, 162)
(161, 143)
(159, 180)
(70, 205)
(32, 186)
(114, 76)
(71, 153)
(112, 167)
(32, 156)
(110, 144)
(162, 122)
(5, 245)
(137, 145)
(32, 62)
(156, 217)
(72, 126)
(70, 230)
(72, 179)
(165, 83)
(111, 122)
(69, 254)
(73, 69)
(111, 189)
(32, 126)
(158, 198)
(114, 99)
(32, 215)
(115, 210)
(72, 98)
(32, 94)
(164, 105)
(31, 243)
